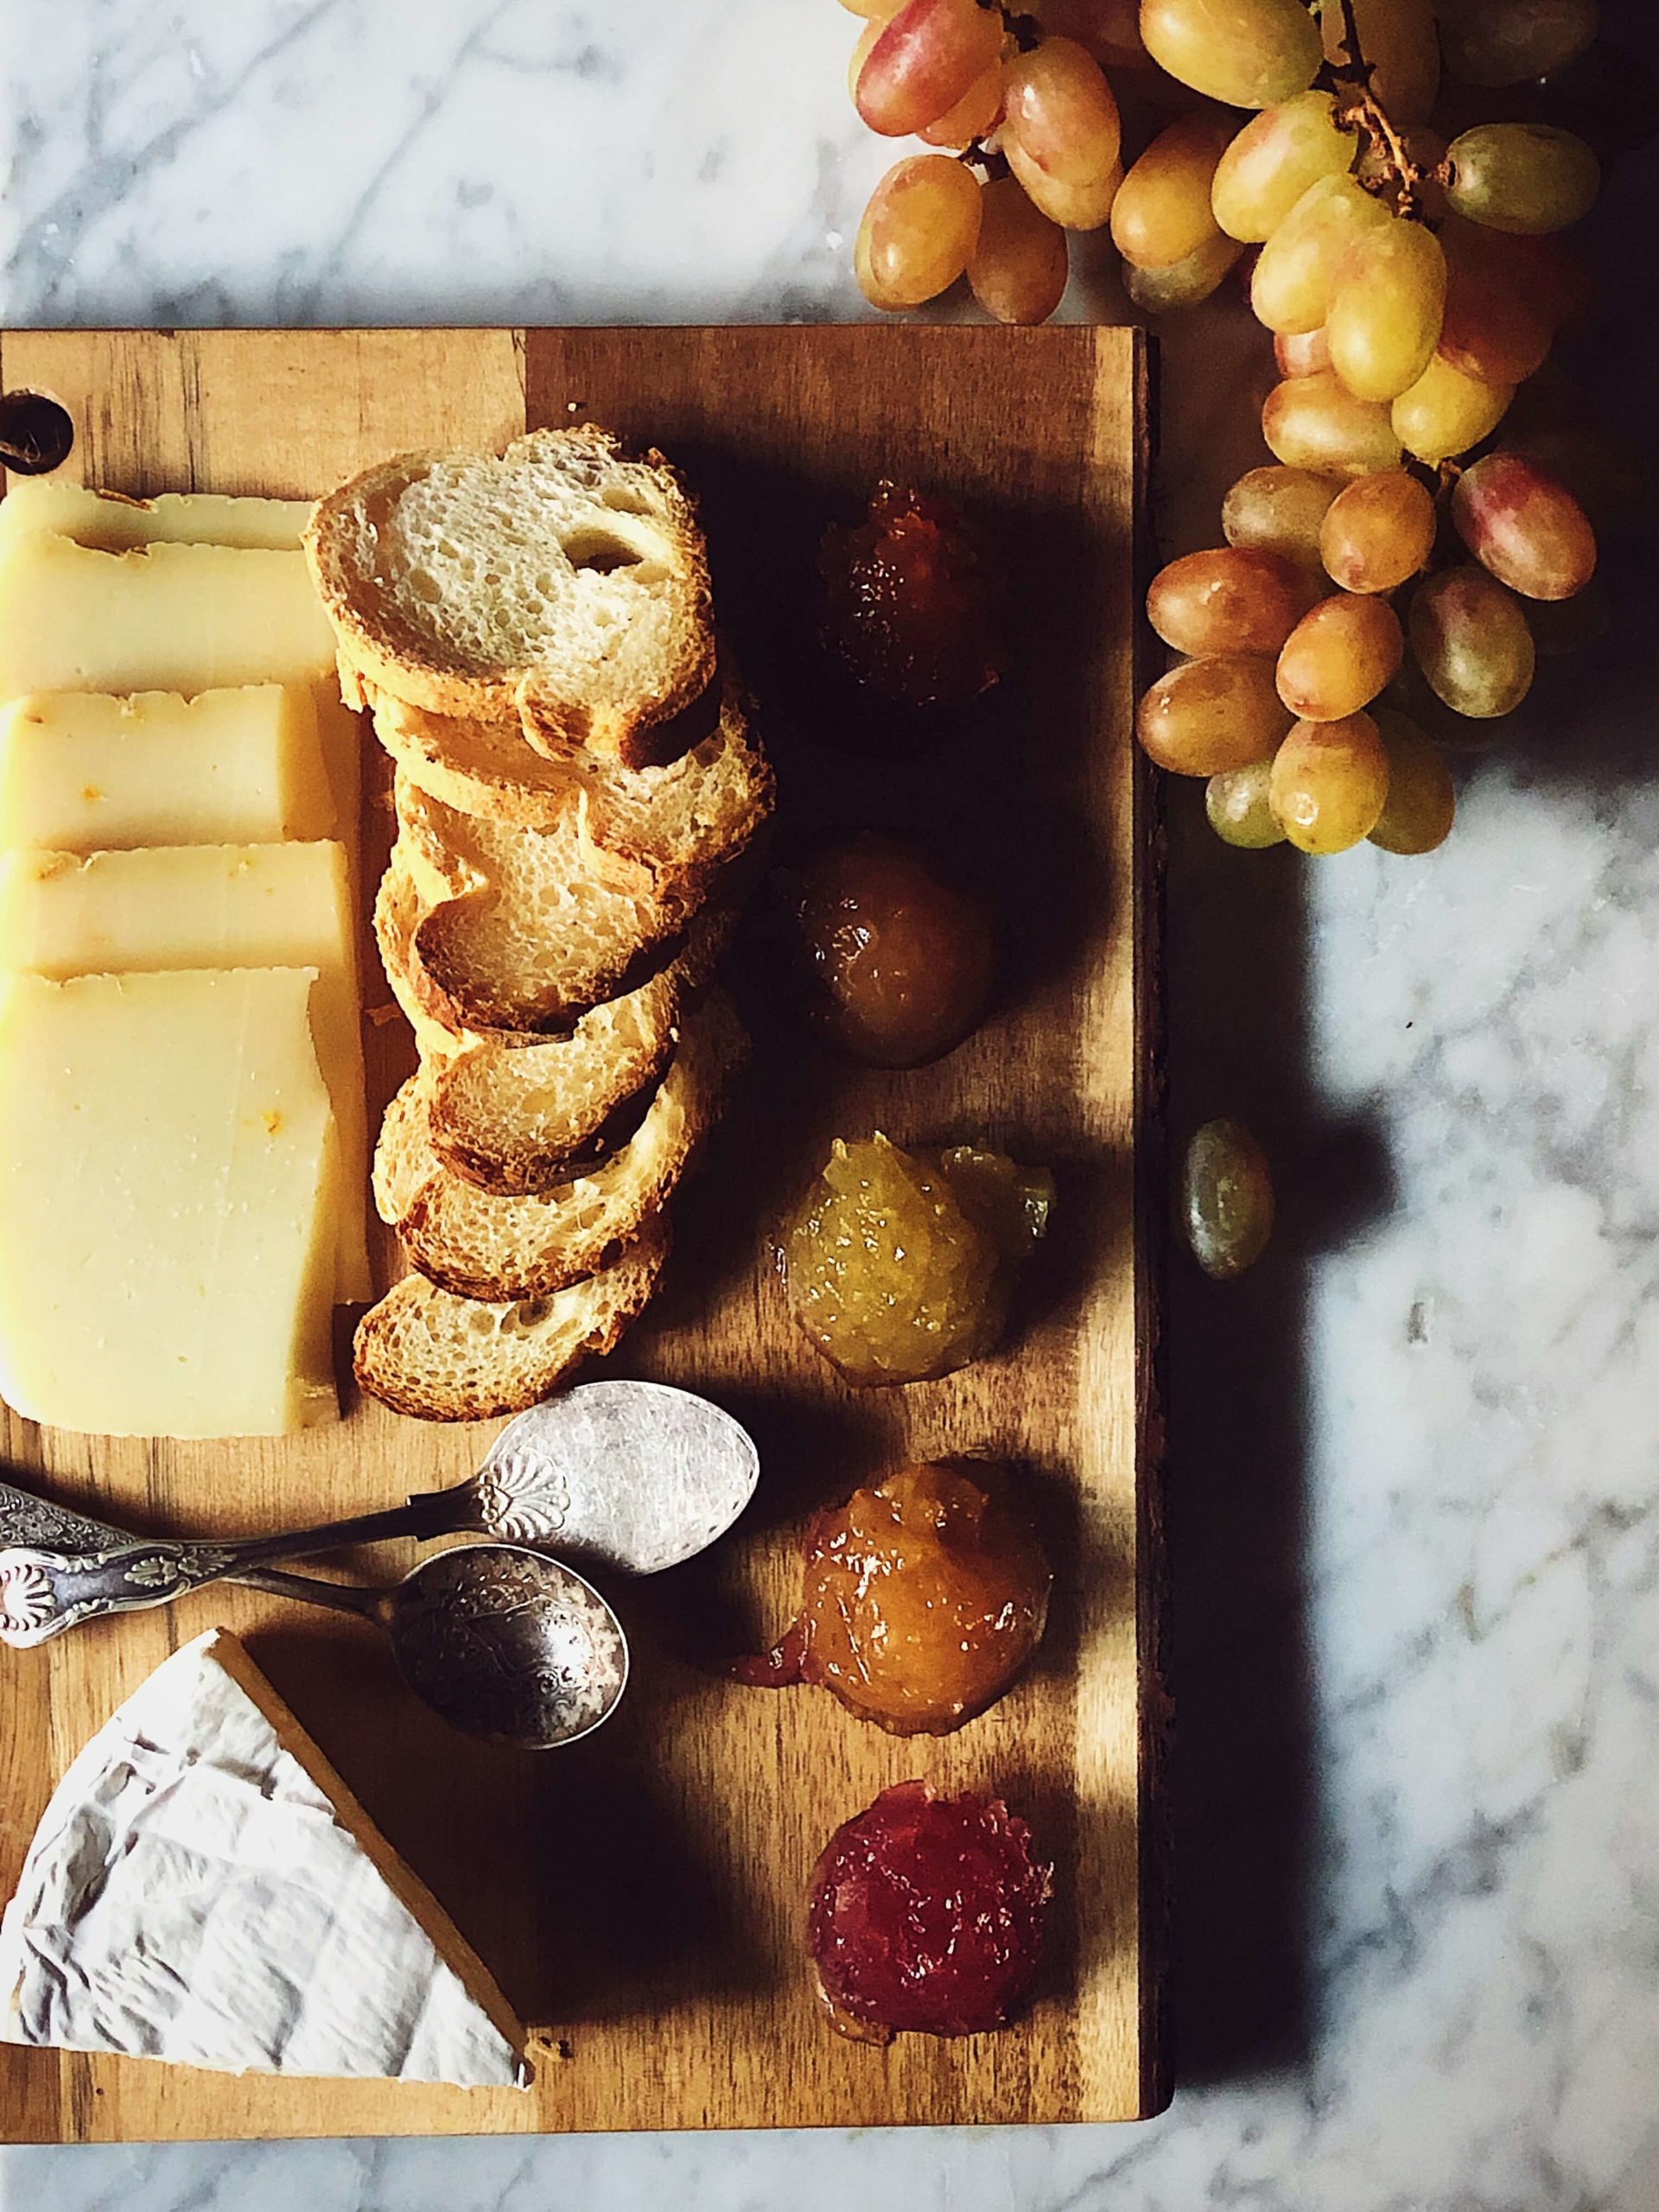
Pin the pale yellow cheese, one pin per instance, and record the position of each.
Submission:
(213, 907)
(161, 618)
(114, 521)
(169, 1173)
(86, 771)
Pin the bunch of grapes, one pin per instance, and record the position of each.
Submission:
(1389, 582)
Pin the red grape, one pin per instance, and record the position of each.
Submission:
(1523, 526)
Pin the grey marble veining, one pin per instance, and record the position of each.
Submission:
(1413, 1458)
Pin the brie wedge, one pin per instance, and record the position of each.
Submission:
(204, 1889)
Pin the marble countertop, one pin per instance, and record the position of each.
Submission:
(1413, 1474)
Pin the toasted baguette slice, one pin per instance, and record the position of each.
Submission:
(673, 828)
(565, 584)
(425, 1352)
(517, 1119)
(482, 1246)
(519, 937)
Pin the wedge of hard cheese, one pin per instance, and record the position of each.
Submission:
(160, 617)
(85, 772)
(205, 1888)
(169, 1192)
(114, 521)
(179, 906)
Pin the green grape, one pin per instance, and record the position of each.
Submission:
(1316, 423)
(1471, 642)
(1506, 41)
(1498, 323)
(1227, 601)
(1162, 214)
(1209, 715)
(1018, 267)
(1296, 269)
(1417, 813)
(1182, 284)
(1271, 164)
(1243, 53)
(1236, 803)
(1338, 657)
(1521, 176)
(1280, 511)
(1524, 527)
(1061, 132)
(918, 232)
(1398, 39)
(1377, 531)
(1329, 783)
(1383, 322)
(1446, 412)
(1226, 1198)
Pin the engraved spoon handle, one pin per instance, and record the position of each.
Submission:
(43, 1593)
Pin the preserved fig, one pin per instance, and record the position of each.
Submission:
(913, 605)
(903, 960)
(921, 1600)
(899, 1265)
(925, 1916)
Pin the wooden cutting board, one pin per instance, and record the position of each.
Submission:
(640, 1897)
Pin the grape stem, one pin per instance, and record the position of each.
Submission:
(1362, 110)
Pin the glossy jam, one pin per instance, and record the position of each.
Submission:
(904, 962)
(925, 1916)
(921, 1600)
(912, 604)
(898, 1265)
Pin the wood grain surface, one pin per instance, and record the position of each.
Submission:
(640, 1896)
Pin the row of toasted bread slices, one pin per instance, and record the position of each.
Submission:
(577, 787)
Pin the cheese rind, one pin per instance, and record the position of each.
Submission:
(170, 1185)
(112, 521)
(225, 907)
(161, 618)
(85, 772)
(202, 1889)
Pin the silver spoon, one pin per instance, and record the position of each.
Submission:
(628, 1477)
(500, 1641)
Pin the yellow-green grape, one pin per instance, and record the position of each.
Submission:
(1446, 412)
(1061, 132)
(1279, 510)
(1296, 269)
(1182, 284)
(1243, 53)
(1398, 39)
(1470, 637)
(1338, 657)
(1162, 214)
(1018, 267)
(1385, 318)
(1418, 811)
(1521, 176)
(1271, 164)
(1239, 809)
(1506, 41)
(1377, 531)
(1316, 423)
(1329, 782)
(1209, 715)
(919, 232)
(1226, 1198)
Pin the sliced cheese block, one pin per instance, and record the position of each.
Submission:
(169, 1189)
(162, 617)
(111, 520)
(179, 906)
(205, 1888)
(85, 772)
